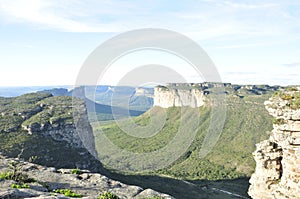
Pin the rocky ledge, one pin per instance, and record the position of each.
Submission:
(48, 182)
(277, 173)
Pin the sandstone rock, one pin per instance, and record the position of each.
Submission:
(277, 173)
(165, 97)
(88, 184)
(150, 193)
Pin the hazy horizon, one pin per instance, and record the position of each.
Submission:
(72, 86)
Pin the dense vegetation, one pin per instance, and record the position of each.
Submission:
(246, 124)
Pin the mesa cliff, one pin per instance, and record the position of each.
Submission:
(166, 98)
(277, 173)
(197, 94)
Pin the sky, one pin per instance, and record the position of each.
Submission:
(46, 42)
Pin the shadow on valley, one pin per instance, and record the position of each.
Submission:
(106, 112)
(178, 188)
(106, 109)
(188, 189)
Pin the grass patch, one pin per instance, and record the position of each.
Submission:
(20, 186)
(68, 193)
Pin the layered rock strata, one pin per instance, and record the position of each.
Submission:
(197, 94)
(277, 173)
(169, 97)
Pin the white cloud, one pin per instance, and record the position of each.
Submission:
(235, 33)
(46, 14)
(206, 19)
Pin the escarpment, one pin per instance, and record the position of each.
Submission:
(197, 94)
(62, 118)
(183, 94)
(277, 173)
(166, 98)
(56, 129)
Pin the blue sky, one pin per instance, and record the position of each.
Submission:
(45, 42)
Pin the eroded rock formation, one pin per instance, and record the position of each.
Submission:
(277, 173)
(63, 119)
(197, 94)
(166, 98)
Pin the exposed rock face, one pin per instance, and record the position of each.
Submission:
(277, 173)
(89, 185)
(168, 97)
(63, 119)
(197, 94)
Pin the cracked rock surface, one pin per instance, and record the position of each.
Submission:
(48, 179)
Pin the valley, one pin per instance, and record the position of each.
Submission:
(43, 125)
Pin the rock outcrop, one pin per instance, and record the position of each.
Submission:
(197, 94)
(83, 182)
(168, 97)
(277, 173)
(63, 118)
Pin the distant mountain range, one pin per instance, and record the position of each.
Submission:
(108, 102)
(17, 91)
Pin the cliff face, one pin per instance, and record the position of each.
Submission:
(277, 173)
(166, 98)
(56, 129)
(196, 94)
(63, 119)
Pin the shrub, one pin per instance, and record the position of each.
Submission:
(15, 173)
(68, 193)
(279, 121)
(76, 171)
(20, 186)
(287, 97)
(108, 195)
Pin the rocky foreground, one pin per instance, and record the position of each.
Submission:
(277, 174)
(46, 181)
